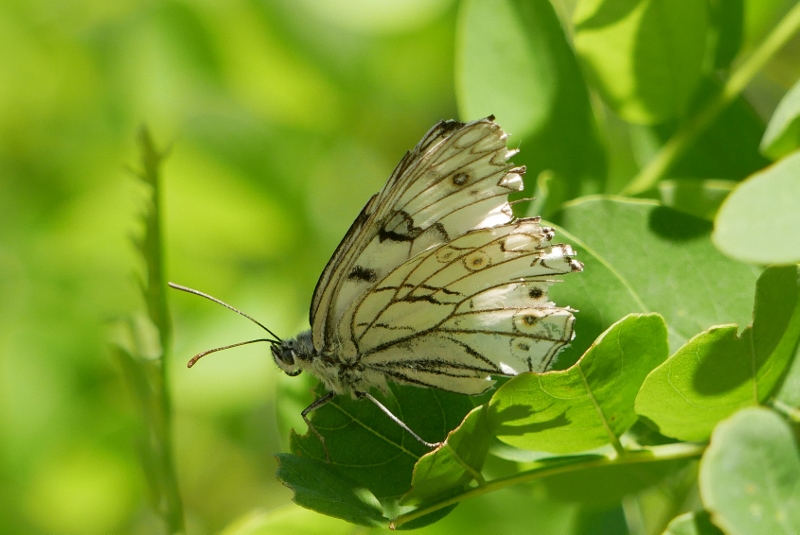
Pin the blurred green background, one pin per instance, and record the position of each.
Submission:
(283, 117)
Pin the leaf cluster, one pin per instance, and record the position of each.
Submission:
(623, 417)
(683, 340)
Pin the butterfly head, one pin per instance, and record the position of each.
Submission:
(292, 355)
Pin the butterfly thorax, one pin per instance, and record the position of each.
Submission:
(339, 376)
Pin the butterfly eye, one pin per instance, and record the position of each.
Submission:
(285, 356)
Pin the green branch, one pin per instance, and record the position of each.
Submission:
(561, 466)
(689, 131)
(156, 394)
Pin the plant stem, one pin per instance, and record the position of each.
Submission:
(688, 132)
(667, 452)
(169, 500)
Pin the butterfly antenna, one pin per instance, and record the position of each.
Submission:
(197, 357)
(226, 305)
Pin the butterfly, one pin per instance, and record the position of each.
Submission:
(436, 284)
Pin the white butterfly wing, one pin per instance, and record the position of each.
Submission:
(456, 179)
(460, 312)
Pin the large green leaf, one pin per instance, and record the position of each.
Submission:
(758, 222)
(504, 66)
(750, 475)
(717, 372)
(370, 448)
(513, 60)
(645, 56)
(642, 257)
(455, 464)
(591, 403)
(319, 486)
(715, 154)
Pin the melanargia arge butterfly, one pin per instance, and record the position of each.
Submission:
(436, 284)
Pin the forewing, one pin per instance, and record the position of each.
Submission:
(453, 316)
(455, 180)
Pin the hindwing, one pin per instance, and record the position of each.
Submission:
(460, 312)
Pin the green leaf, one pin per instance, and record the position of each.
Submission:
(641, 257)
(714, 154)
(513, 60)
(783, 131)
(521, 509)
(700, 198)
(644, 56)
(750, 475)
(758, 222)
(603, 486)
(698, 523)
(372, 449)
(450, 468)
(497, 37)
(760, 18)
(717, 372)
(725, 32)
(591, 403)
(320, 487)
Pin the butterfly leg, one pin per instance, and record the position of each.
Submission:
(397, 420)
(314, 406)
